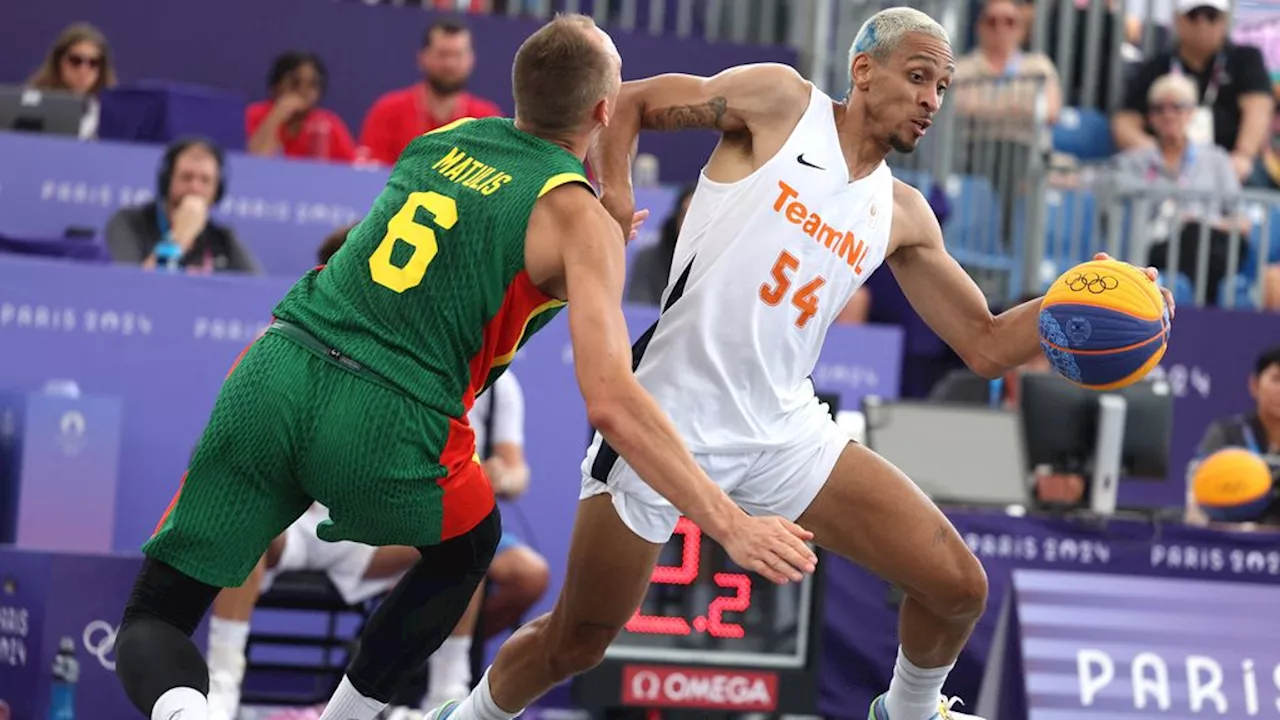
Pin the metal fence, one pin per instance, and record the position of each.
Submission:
(1213, 248)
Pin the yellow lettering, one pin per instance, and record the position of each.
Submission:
(449, 160)
(787, 192)
(475, 169)
(493, 185)
(811, 225)
(827, 236)
(797, 212)
(474, 182)
(456, 171)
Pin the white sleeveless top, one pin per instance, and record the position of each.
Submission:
(762, 268)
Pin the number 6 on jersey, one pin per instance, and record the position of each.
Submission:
(404, 226)
(805, 298)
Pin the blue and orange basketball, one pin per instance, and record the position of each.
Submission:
(1232, 485)
(1104, 325)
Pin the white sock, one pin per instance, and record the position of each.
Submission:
(227, 640)
(450, 670)
(914, 692)
(181, 703)
(348, 704)
(479, 705)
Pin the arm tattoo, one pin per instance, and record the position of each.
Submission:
(708, 115)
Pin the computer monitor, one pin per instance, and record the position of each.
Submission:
(1148, 429)
(1059, 423)
(957, 454)
(52, 112)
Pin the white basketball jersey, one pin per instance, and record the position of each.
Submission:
(762, 268)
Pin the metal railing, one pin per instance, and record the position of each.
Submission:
(1212, 247)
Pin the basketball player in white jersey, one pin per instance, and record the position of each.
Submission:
(793, 212)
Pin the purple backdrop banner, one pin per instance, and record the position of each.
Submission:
(1210, 357)
(369, 50)
(45, 597)
(861, 637)
(281, 209)
(1100, 646)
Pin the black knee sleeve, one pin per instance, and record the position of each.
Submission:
(154, 652)
(422, 610)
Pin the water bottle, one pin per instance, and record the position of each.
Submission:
(168, 256)
(66, 672)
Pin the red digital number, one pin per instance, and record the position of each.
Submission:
(740, 601)
(684, 574)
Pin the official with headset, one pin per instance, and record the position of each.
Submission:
(174, 232)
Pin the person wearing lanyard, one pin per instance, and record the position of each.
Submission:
(1234, 88)
(1258, 431)
(1177, 162)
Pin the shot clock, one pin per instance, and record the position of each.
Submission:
(702, 608)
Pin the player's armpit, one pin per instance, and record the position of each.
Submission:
(948, 300)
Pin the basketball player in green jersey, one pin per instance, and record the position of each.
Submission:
(357, 395)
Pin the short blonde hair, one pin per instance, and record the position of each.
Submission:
(1176, 86)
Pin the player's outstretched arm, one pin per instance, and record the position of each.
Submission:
(740, 100)
(951, 303)
(591, 248)
(948, 300)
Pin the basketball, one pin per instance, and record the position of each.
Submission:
(1104, 325)
(1232, 485)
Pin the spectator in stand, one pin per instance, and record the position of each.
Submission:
(79, 62)
(291, 122)
(1235, 106)
(1176, 163)
(1009, 77)
(176, 225)
(445, 60)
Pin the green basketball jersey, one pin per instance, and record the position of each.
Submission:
(430, 289)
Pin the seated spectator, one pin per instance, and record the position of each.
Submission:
(997, 79)
(292, 122)
(1177, 162)
(175, 231)
(1234, 89)
(79, 62)
(1257, 431)
(446, 61)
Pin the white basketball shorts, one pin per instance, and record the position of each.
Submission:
(779, 481)
(344, 562)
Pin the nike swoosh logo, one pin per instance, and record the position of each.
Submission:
(800, 159)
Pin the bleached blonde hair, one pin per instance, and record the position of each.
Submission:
(883, 32)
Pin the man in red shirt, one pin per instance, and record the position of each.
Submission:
(396, 118)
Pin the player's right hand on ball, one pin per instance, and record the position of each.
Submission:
(773, 547)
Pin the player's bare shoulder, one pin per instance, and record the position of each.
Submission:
(566, 225)
(914, 222)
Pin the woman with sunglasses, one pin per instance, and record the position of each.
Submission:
(1179, 162)
(80, 63)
